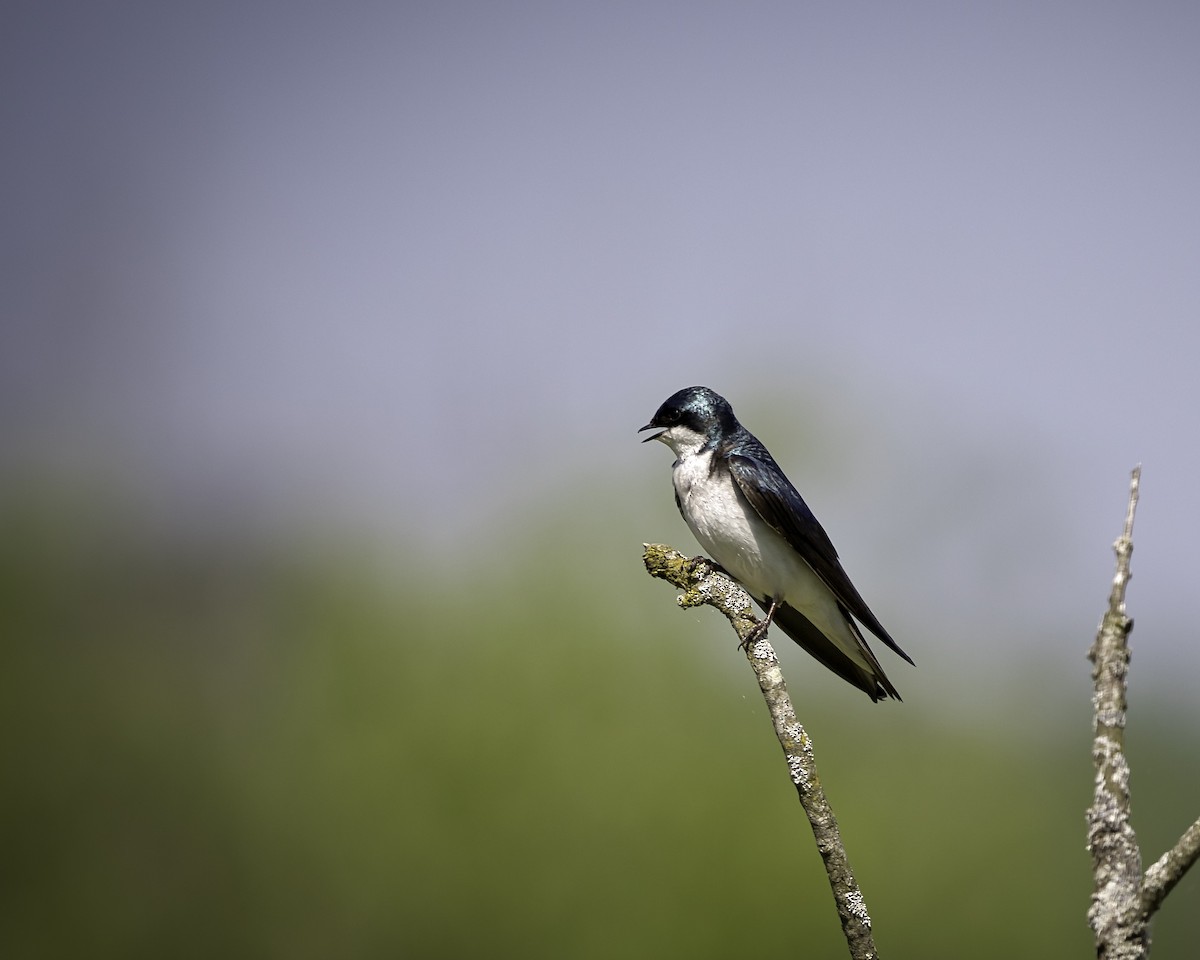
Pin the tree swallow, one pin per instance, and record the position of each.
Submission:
(750, 519)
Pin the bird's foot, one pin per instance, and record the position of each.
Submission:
(756, 633)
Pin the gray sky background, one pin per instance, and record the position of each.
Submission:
(369, 256)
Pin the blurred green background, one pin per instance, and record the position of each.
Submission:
(219, 746)
(324, 335)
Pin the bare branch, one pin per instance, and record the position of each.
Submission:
(1115, 914)
(704, 583)
(1169, 869)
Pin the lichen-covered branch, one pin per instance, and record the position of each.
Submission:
(1169, 869)
(1115, 914)
(702, 582)
(1123, 899)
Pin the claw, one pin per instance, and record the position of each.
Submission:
(760, 628)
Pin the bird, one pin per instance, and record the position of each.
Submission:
(748, 517)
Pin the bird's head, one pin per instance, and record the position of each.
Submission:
(691, 419)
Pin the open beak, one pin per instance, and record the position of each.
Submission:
(651, 426)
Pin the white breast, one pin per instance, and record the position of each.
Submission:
(730, 531)
(734, 535)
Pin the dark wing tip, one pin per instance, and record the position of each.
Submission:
(873, 682)
(884, 689)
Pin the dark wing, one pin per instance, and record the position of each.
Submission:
(771, 494)
(797, 626)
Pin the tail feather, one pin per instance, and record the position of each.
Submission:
(870, 679)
